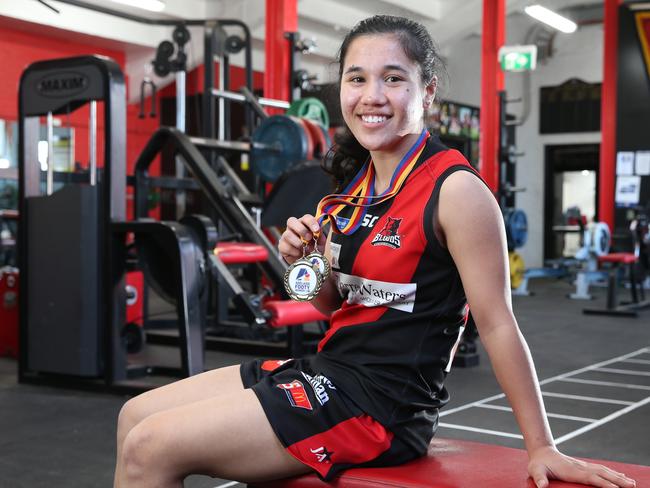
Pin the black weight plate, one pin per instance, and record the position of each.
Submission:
(285, 145)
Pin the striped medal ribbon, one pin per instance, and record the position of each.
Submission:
(304, 278)
(360, 192)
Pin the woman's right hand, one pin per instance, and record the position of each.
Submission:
(299, 230)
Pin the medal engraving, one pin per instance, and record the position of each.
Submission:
(302, 280)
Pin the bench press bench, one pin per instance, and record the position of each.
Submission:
(452, 464)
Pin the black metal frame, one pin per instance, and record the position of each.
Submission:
(186, 278)
(104, 82)
(228, 205)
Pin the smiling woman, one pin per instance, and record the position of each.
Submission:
(416, 238)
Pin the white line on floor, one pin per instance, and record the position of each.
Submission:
(226, 485)
(548, 414)
(548, 380)
(636, 361)
(623, 371)
(586, 398)
(482, 431)
(602, 421)
(606, 383)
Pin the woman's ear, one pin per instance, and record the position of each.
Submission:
(430, 92)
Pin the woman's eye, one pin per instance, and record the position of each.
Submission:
(356, 79)
(393, 79)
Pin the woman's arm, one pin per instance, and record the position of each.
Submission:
(290, 247)
(475, 236)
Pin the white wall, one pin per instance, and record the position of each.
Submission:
(577, 55)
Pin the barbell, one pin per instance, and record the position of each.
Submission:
(281, 142)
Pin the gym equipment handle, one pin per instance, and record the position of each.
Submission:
(238, 97)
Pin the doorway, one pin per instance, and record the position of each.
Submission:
(571, 182)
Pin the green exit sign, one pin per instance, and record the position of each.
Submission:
(518, 58)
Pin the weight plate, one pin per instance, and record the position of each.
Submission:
(311, 142)
(326, 138)
(313, 129)
(516, 227)
(279, 143)
(310, 108)
(517, 269)
(600, 238)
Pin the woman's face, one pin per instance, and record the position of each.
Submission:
(382, 94)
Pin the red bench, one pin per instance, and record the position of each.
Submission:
(452, 464)
(613, 307)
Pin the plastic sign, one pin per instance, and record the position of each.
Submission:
(518, 58)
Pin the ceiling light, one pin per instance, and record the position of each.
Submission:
(551, 18)
(152, 5)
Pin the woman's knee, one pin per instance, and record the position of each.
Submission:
(141, 450)
(131, 414)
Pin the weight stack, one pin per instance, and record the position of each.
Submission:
(64, 321)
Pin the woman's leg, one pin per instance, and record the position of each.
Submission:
(212, 384)
(228, 437)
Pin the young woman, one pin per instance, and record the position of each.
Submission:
(429, 240)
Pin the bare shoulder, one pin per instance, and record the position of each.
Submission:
(463, 196)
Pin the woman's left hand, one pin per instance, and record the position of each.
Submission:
(548, 463)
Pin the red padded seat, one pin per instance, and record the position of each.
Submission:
(285, 312)
(618, 257)
(240, 252)
(452, 464)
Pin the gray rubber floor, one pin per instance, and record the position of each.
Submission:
(53, 437)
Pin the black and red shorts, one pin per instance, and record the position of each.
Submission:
(316, 422)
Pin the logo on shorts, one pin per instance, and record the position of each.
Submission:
(273, 364)
(388, 235)
(322, 454)
(318, 384)
(296, 394)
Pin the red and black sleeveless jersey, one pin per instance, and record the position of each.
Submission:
(391, 344)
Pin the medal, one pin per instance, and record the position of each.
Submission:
(319, 261)
(303, 280)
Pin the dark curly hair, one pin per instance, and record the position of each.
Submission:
(347, 155)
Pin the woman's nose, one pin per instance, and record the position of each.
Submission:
(374, 93)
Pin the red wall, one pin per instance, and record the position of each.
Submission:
(19, 49)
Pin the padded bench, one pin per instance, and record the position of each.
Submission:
(452, 464)
(613, 307)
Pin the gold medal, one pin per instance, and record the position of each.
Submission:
(320, 262)
(317, 259)
(303, 280)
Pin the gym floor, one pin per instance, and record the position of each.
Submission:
(596, 383)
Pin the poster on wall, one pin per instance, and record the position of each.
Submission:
(624, 163)
(643, 163)
(628, 190)
(454, 119)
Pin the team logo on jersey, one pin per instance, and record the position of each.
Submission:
(296, 394)
(388, 235)
(322, 454)
(320, 384)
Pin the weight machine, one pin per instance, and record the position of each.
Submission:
(72, 299)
